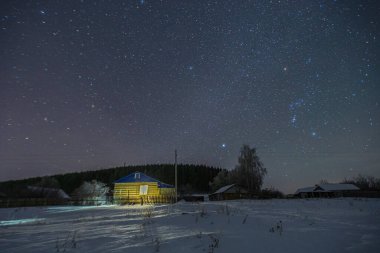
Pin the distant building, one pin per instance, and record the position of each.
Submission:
(327, 190)
(232, 191)
(139, 188)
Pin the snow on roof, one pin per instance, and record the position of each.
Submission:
(141, 177)
(338, 187)
(305, 189)
(224, 188)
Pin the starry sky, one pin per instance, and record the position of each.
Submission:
(93, 84)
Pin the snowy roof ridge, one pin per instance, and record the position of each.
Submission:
(328, 187)
(305, 189)
(224, 188)
(337, 187)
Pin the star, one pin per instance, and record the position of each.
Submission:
(293, 120)
(137, 78)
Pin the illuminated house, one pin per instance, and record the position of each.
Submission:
(138, 188)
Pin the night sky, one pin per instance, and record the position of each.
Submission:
(95, 84)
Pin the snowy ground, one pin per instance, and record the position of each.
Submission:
(324, 225)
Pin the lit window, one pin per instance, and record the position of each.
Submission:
(143, 189)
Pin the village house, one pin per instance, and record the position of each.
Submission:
(138, 188)
(232, 191)
(327, 190)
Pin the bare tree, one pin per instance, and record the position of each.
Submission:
(367, 183)
(94, 191)
(250, 172)
(220, 180)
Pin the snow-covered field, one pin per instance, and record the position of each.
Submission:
(319, 225)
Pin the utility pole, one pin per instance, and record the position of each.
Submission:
(175, 175)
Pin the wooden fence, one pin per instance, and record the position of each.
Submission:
(145, 200)
(25, 202)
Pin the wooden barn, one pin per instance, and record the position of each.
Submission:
(138, 188)
(232, 191)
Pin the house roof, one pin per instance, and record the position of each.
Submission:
(141, 177)
(328, 188)
(338, 187)
(305, 189)
(225, 188)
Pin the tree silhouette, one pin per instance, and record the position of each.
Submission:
(250, 171)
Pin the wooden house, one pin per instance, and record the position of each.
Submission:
(138, 188)
(227, 192)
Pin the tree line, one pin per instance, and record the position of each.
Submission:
(191, 178)
(249, 173)
(365, 183)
